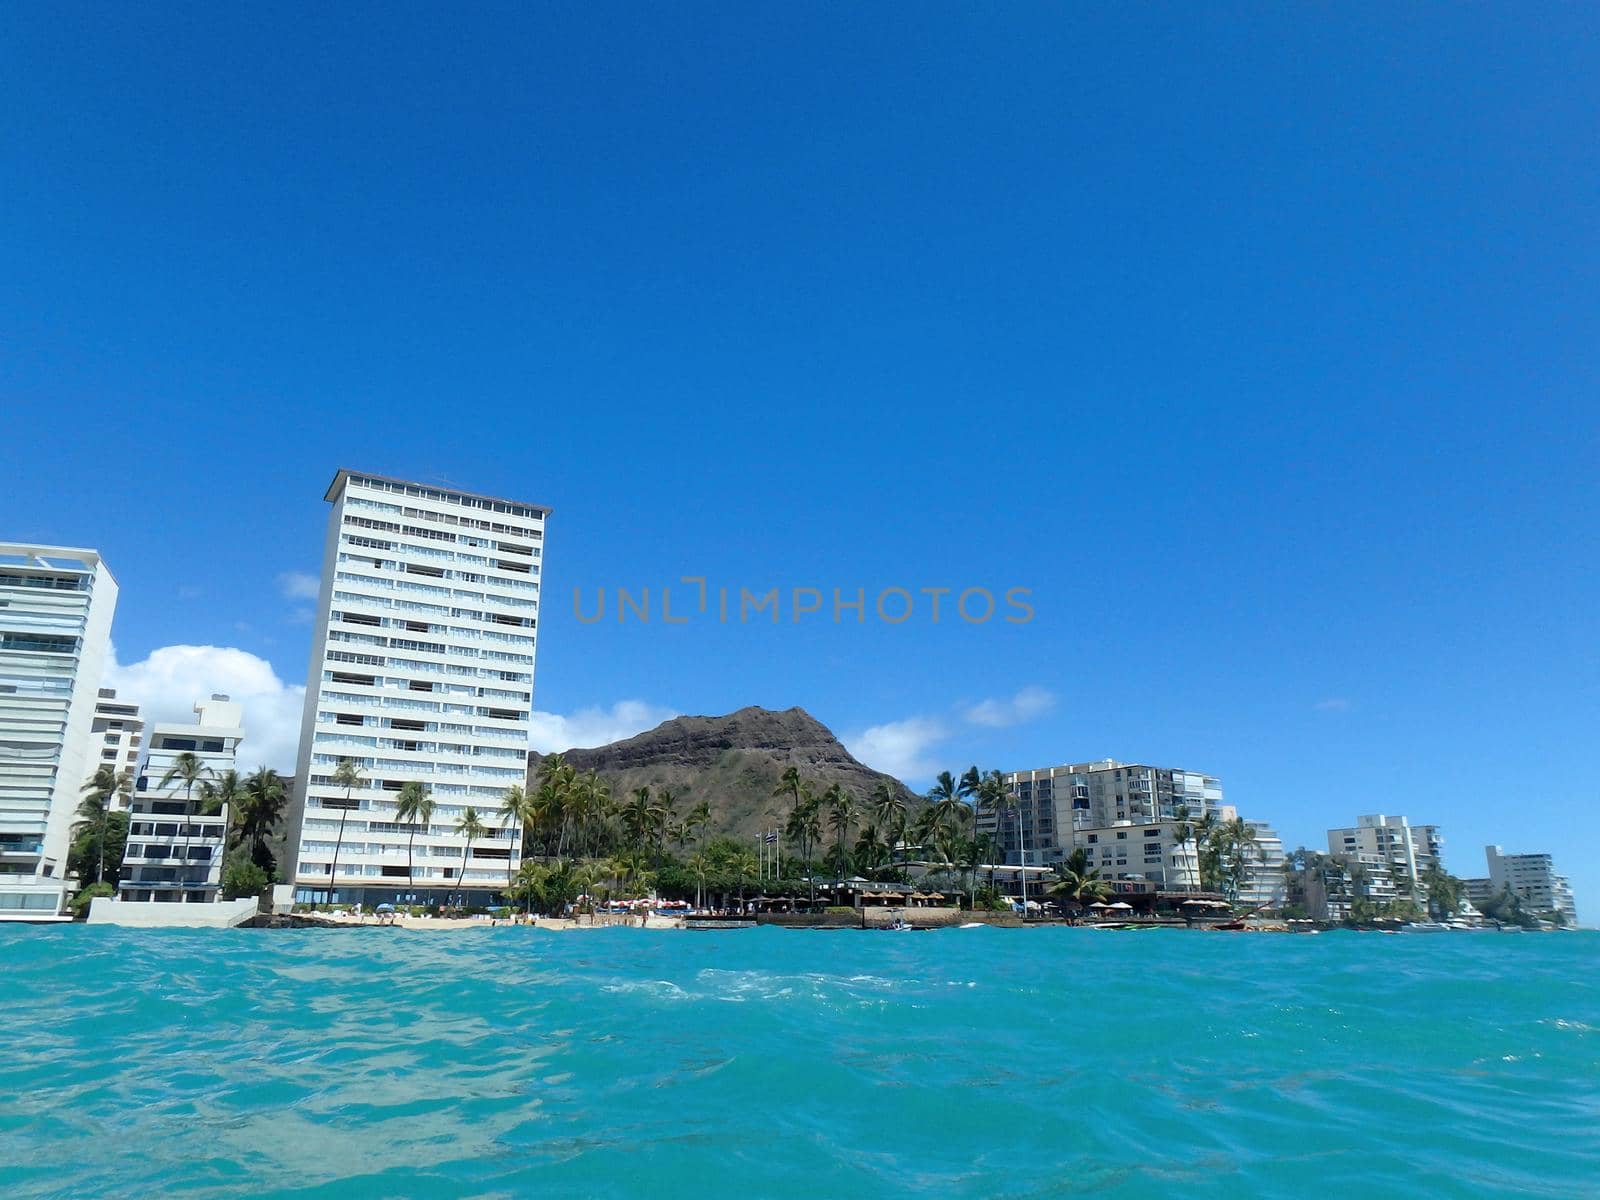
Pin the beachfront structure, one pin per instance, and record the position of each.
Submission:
(118, 734)
(1165, 852)
(1263, 885)
(175, 849)
(421, 672)
(56, 604)
(1055, 803)
(1393, 848)
(1530, 876)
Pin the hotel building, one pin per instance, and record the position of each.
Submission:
(1395, 853)
(1133, 820)
(56, 605)
(1531, 876)
(174, 852)
(421, 671)
(1126, 816)
(119, 733)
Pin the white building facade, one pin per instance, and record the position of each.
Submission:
(118, 736)
(56, 605)
(175, 850)
(1058, 807)
(1533, 877)
(421, 672)
(1396, 853)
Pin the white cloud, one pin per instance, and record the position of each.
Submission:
(1027, 704)
(1332, 704)
(549, 732)
(297, 585)
(899, 748)
(172, 678)
(904, 748)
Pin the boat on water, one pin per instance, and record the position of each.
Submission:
(1425, 927)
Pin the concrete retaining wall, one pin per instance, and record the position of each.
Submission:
(225, 914)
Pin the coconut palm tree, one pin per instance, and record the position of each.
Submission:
(470, 826)
(870, 850)
(544, 810)
(415, 807)
(889, 810)
(576, 796)
(515, 811)
(348, 776)
(1444, 891)
(994, 796)
(223, 794)
(1080, 883)
(187, 768)
(804, 826)
(1182, 832)
(101, 792)
(1241, 846)
(699, 868)
(700, 818)
(841, 806)
(949, 799)
(639, 817)
(667, 802)
(261, 804)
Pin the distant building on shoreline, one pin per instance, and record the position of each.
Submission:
(421, 672)
(1133, 820)
(1531, 877)
(118, 734)
(175, 850)
(1392, 855)
(56, 605)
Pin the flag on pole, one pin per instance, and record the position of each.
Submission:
(770, 838)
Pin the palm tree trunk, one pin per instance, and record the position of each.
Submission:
(516, 844)
(105, 826)
(333, 868)
(461, 875)
(411, 871)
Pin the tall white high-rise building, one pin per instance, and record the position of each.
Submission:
(421, 672)
(118, 735)
(1532, 877)
(1393, 847)
(56, 605)
(175, 848)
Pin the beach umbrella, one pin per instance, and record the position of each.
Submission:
(1120, 904)
(1099, 904)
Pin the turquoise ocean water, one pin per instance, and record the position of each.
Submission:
(771, 1063)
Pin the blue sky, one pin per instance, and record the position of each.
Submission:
(1258, 342)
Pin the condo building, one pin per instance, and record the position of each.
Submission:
(118, 732)
(1128, 816)
(422, 673)
(175, 848)
(1531, 876)
(1133, 821)
(56, 605)
(1395, 853)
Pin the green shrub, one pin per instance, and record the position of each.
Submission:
(81, 902)
(241, 878)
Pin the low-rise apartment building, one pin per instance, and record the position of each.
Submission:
(175, 849)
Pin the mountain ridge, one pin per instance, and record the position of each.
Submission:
(734, 762)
